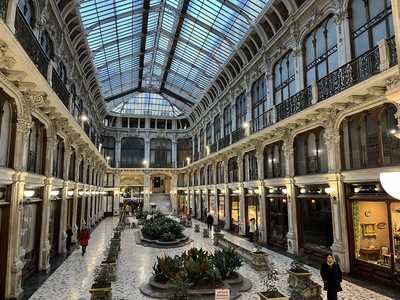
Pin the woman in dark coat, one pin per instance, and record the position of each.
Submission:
(332, 276)
(68, 241)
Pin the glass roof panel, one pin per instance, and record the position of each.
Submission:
(210, 32)
(144, 104)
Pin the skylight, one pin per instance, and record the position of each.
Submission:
(174, 45)
(146, 104)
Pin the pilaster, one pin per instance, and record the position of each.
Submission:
(292, 235)
(22, 139)
(262, 205)
(118, 151)
(227, 208)
(63, 218)
(44, 248)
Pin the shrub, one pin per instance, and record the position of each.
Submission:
(160, 225)
(167, 268)
(227, 261)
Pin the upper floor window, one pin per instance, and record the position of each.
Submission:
(196, 144)
(47, 44)
(37, 148)
(233, 170)
(208, 134)
(250, 169)
(274, 161)
(217, 128)
(132, 152)
(210, 175)
(28, 10)
(367, 141)
(58, 158)
(108, 144)
(184, 147)
(240, 107)
(371, 21)
(284, 79)
(160, 153)
(258, 97)
(202, 176)
(310, 152)
(220, 172)
(7, 119)
(72, 162)
(227, 120)
(321, 51)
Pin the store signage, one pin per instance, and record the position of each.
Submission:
(222, 294)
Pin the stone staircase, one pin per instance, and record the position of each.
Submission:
(162, 202)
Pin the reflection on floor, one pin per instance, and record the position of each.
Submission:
(73, 279)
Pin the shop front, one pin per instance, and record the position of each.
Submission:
(203, 204)
(70, 208)
(314, 222)
(197, 206)
(221, 208)
(374, 233)
(4, 231)
(54, 222)
(211, 202)
(276, 217)
(251, 209)
(183, 205)
(234, 208)
(79, 218)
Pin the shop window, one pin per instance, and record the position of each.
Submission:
(235, 212)
(274, 161)
(6, 132)
(277, 220)
(250, 168)
(395, 218)
(221, 208)
(252, 210)
(233, 170)
(58, 158)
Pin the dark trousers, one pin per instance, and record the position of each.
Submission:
(209, 226)
(68, 244)
(332, 294)
(251, 236)
(83, 249)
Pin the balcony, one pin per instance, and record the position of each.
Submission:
(196, 156)
(60, 89)
(28, 41)
(263, 121)
(392, 51)
(224, 142)
(213, 148)
(238, 134)
(160, 165)
(294, 104)
(357, 70)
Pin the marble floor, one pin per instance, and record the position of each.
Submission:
(73, 279)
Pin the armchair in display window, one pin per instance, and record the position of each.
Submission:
(385, 255)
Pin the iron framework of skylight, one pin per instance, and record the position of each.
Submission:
(143, 104)
(174, 45)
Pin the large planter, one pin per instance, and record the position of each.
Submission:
(217, 237)
(101, 293)
(163, 244)
(297, 279)
(112, 269)
(196, 228)
(268, 296)
(206, 233)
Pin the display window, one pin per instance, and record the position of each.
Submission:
(211, 202)
(221, 208)
(252, 210)
(277, 218)
(235, 212)
(182, 203)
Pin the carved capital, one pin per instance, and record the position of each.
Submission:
(34, 100)
(24, 126)
(332, 137)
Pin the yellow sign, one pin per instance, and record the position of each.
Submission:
(222, 294)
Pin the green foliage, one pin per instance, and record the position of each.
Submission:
(102, 278)
(297, 265)
(168, 268)
(227, 261)
(159, 225)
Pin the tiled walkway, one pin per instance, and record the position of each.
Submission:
(73, 279)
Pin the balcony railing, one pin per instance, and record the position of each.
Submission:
(60, 89)
(213, 148)
(196, 156)
(392, 51)
(349, 74)
(238, 134)
(263, 121)
(224, 142)
(3, 8)
(160, 165)
(294, 104)
(28, 41)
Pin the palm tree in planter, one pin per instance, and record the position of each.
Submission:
(271, 281)
(298, 273)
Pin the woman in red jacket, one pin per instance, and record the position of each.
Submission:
(84, 237)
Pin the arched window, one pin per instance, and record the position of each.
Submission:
(233, 170)
(220, 172)
(108, 144)
(284, 79)
(240, 107)
(208, 134)
(132, 152)
(367, 141)
(258, 101)
(274, 161)
(310, 152)
(371, 21)
(36, 148)
(227, 120)
(72, 162)
(217, 128)
(250, 169)
(58, 158)
(62, 71)
(47, 44)
(210, 174)
(160, 153)
(7, 120)
(321, 51)
(28, 10)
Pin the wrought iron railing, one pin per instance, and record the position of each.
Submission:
(28, 41)
(3, 9)
(294, 104)
(160, 165)
(238, 134)
(213, 147)
(392, 51)
(357, 70)
(263, 121)
(60, 89)
(196, 156)
(224, 142)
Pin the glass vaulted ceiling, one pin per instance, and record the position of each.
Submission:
(209, 32)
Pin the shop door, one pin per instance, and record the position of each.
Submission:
(277, 222)
(4, 221)
(221, 210)
(79, 214)
(235, 212)
(54, 226)
(251, 211)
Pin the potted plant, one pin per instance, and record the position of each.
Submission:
(298, 273)
(271, 292)
(196, 228)
(101, 287)
(206, 233)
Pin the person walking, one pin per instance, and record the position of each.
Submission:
(84, 237)
(210, 221)
(252, 229)
(68, 240)
(332, 276)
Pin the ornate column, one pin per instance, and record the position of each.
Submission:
(147, 190)
(63, 218)
(343, 36)
(14, 254)
(147, 149)
(118, 151)
(44, 248)
(174, 152)
(22, 140)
